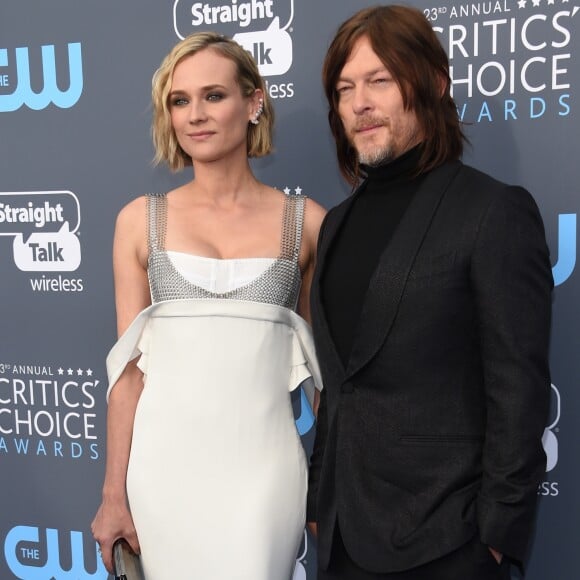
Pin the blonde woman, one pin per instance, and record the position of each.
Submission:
(205, 473)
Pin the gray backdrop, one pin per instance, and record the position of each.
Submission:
(75, 147)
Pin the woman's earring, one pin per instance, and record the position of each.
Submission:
(256, 118)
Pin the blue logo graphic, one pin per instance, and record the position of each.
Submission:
(50, 93)
(564, 267)
(22, 551)
(306, 420)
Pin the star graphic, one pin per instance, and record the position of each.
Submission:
(551, 1)
(69, 371)
(564, 1)
(287, 190)
(521, 3)
(60, 371)
(536, 2)
(298, 190)
(89, 372)
(80, 372)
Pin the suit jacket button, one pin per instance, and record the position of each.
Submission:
(347, 388)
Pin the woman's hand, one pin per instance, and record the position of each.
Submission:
(112, 522)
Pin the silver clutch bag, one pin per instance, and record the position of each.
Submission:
(127, 563)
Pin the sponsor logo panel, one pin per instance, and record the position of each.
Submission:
(44, 227)
(262, 27)
(20, 67)
(49, 411)
(38, 553)
(509, 60)
(549, 488)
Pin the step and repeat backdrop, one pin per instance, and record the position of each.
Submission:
(75, 147)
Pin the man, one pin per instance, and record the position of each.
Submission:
(431, 312)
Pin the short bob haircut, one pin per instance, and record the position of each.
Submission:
(167, 149)
(406, 44)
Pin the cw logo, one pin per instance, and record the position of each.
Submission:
(26, 557)
(564, 267)
(50, 93)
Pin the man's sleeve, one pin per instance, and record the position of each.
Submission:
(316, 459)
(512, 281)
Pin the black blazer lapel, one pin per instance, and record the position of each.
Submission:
(329, 230)
(388, 282)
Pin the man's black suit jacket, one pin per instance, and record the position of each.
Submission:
(432, 432)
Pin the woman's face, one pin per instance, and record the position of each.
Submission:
(208, 112)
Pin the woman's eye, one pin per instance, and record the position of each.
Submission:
(179, 101)
(215, 97)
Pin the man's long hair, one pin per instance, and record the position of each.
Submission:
(406, 44)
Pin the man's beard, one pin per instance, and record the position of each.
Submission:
(379, 153)
(376, 156)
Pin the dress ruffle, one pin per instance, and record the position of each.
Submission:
(136, 340)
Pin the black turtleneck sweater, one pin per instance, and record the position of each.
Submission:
(374, 214)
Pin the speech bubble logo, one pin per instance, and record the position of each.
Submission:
(229, 15)
(549, 439)
(271, 48)
(48, 252)
(299, 570)
(32, 212)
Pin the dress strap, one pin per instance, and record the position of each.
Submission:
(156, 220)
(292, 226)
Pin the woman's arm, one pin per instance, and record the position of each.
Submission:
(313, 216)
(113, 519)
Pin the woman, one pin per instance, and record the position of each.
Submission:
(205, 473)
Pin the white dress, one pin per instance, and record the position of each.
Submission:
(217, 474)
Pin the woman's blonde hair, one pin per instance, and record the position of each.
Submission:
(167, 149)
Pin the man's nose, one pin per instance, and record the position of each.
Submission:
(361, 101)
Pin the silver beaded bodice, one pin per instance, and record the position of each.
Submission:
(279, 284)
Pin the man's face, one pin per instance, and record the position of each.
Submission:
(370, 105)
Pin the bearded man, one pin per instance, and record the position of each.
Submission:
(431, 307)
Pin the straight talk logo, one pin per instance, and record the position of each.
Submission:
(44, 227)
(270, 44)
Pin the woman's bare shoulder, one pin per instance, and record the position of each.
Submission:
(132, 211)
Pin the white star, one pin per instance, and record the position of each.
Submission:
(80, 372)
(564, 1)
(522, 4)
(287, 190)
(551, 1)
(89, 372)
(60, 371)
(69, 371)
(298, 190)
(536, 2)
